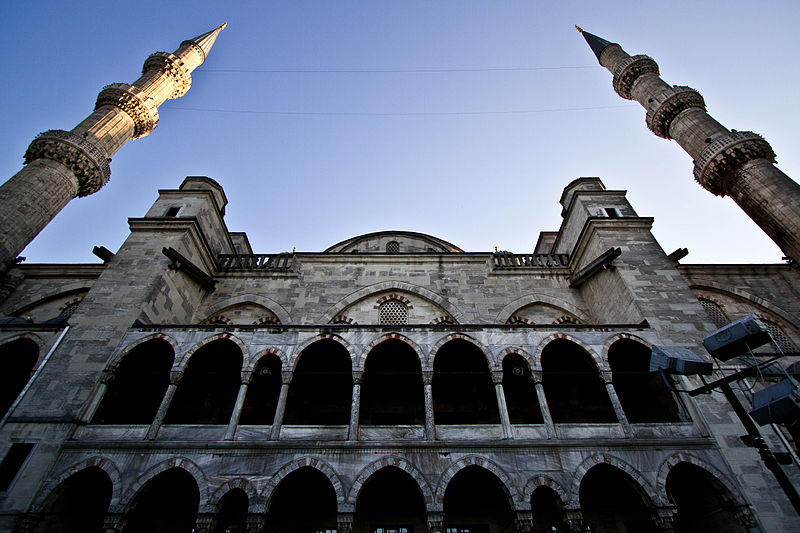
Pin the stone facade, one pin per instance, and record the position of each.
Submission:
(265, 425)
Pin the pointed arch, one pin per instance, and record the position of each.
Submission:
(295, 355)
(490, 361)
(182, 361)
(515, 350)
(297, 464)
(359, 294)
(387, 461)
(737, 293)
(122, 352)
(26, 335)
(544, 481)
(530, 299)
(684, 457)
(515, 498)
(103, 463)
(70, 289)
(597, 360)
(648, 493)
(360, 361)
(129, 496)
(255, 503)
(271, 305)
(617, 337)
(251, 362)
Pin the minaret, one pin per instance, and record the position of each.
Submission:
(739, 164)
(60, 165)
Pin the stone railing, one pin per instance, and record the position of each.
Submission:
(503, 260)
(279, 262)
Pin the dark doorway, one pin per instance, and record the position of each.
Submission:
(303, 502)
(475, 500)
(548, 513)
(168, 503)
(390, 500)
(612, 502)
(703, 502)
(78, 504)
(232, 512)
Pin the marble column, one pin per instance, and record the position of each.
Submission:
(497, 379)
(607, 379)
(546, 416)
(237, 408)
(280, 409)
(352, 434)
(430, 427)
(174, 379)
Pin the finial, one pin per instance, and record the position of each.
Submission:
(222, 26)
(578, 28)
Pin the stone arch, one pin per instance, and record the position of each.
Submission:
(361, 360)
(649, 495)
(182, 360)
(544, 481)
(684, 457)
(618, 337)
(120, 354)
(176, 462)
(292, 360)
(271, 305)
(513, 350)
(66, 290)
(453, 336)
(714, 287)
(523, 301)
(515, 498)
(422, 292)
(103, 463)
(251, 362)
(254, 501)
(30, 336)
(598, 361)
(402, 464)
(296, 464)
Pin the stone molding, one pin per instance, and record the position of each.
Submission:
(630, 70)
(130, 100)
(668, 105)
(88, 162)
(171, 65)
(722, 157)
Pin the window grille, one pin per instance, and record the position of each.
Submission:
(69, 309)
(715, 313)
(781, 339)
(392, 247)
(393, 312)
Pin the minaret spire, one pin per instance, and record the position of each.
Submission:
(60, 165)
(739, 164)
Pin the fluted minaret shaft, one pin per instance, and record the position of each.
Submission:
(60, 165)
(739, 164)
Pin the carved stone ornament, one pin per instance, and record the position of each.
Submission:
(87, 162)
(173, 66)
(629, 71)
(668, 105)
(725, 155)
(132, 101)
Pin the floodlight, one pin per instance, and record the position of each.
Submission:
(677, 360)
(737, 338)
(777, 403)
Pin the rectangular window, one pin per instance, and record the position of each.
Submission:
(612, 212)
(172, 212)
(12, 463)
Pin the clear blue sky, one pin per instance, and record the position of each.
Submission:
(309, 159)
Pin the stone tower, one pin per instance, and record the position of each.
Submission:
(739, 164)
(60, 165)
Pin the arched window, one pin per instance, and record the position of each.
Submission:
(572, 385)
(391, 392)
(520, 392)
(17, 359)
(209, 387)
(263, 392)
(79, 503)
(463, 392)
(715, 313)
(138, 385)
(393, 312)
(322, 386)
(392, 247)
(168, 502)
(476, 501)
(643, 394)
(232, 512)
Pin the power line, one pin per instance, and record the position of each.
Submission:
(398, 114)
(391, 71)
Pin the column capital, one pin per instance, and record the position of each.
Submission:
(247, 377)
(497, 377)
(358, 377)
(606, 376)
(664, 517)
(88, 162)
(435, 521)
(175, 377)
(427, 377)
(524, 521)
(344, 522)
(286, 377)
(537, 375)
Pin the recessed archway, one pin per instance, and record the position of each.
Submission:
(463, 392)
(703, 502)
(612, 501)
(167, 502)
(322, 385)
(520, 391)
(476, 501)
(391, 390)
(303, 501)
(390, 500)
(17, 360)
(232, 512)
(77, 504)
(263, 392)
